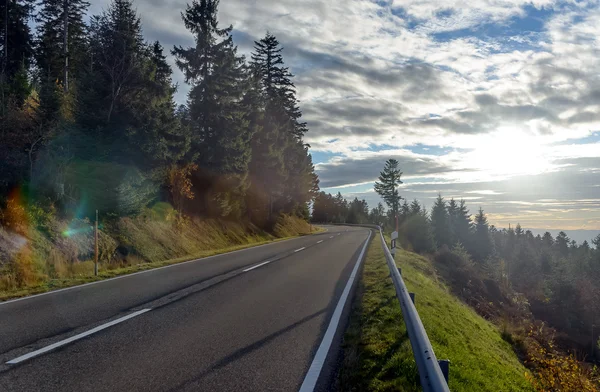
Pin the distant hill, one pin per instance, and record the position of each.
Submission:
(577, 235)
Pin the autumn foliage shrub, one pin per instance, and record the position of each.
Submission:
(554, 371)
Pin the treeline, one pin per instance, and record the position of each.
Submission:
(88, 118)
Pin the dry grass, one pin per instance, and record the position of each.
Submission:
(61, 254)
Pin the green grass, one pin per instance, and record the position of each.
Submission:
(377, 352)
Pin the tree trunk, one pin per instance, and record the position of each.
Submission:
(66, 44)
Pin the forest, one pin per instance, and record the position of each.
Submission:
(542, 290)
(89, 122)
(90, 132)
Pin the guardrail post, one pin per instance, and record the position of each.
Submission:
(445, 368)
(400, 270)
(412, 297)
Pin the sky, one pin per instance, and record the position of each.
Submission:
(493, 101)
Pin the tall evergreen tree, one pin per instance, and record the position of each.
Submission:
(387, 186)
(482, 246)
(440, 222)
(463, 226)
(377, 215)
(219, 116)
(268, 164)
(453, 211)
(61, 42)
(16, 51)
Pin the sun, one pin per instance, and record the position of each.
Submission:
(509, 152)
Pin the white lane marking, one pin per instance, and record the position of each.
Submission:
(74, 338)
(331, 237)
(298, 250)
(258, 265)
(143, 272)
(339, 233)
(318, 242)
(310, 380)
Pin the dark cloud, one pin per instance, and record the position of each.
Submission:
(352, 171)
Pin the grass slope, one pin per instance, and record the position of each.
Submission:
(377, 352)
(40, 260)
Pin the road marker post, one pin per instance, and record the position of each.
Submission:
(96, 245)
(393, 243)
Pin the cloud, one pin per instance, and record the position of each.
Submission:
(507, 89)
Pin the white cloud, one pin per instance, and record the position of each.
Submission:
(385, 75)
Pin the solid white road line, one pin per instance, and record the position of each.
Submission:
(318, 242)
(142, 272)
(257, 265)
(74, 338)
(298, 250)
(310, 380)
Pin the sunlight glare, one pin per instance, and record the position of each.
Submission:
(509, 152)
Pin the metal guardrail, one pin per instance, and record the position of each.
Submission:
(430, 372)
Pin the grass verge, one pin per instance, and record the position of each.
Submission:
(86, 268)
(377, 352)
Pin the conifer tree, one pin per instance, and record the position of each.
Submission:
(440, 222)
(387, 186)
(482, 246)
(219, 116)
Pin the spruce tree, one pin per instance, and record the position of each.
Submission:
(463, 226)
(61, 43)
(453, 211)
(16, 51)
(219, 115)
(268, 164)
(387, 186)
(482, 246)
(440, 222)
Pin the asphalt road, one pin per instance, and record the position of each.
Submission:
(250, 320)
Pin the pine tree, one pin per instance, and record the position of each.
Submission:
(562, 243)
(267, 167)
(440, 222)
(61, 44)
(482, 246)
(219, 115)
(519, 231)
(16, 51)
(547, 240)
(463, 226)
(453, 211)
(387, 186)
(113, 86)
(377, 215)
(415, 207)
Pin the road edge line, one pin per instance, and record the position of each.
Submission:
(145, 271)
(314, 371)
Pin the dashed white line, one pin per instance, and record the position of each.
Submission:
(298, 250)
(318, 242)
(339, 233)
(258, 265)
(310, 380)
(331, 237)
(74, 338)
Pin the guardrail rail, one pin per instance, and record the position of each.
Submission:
(430, 371)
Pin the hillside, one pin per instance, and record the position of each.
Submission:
(377, 352)
(40, 252)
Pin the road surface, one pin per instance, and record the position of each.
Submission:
(251, 320)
